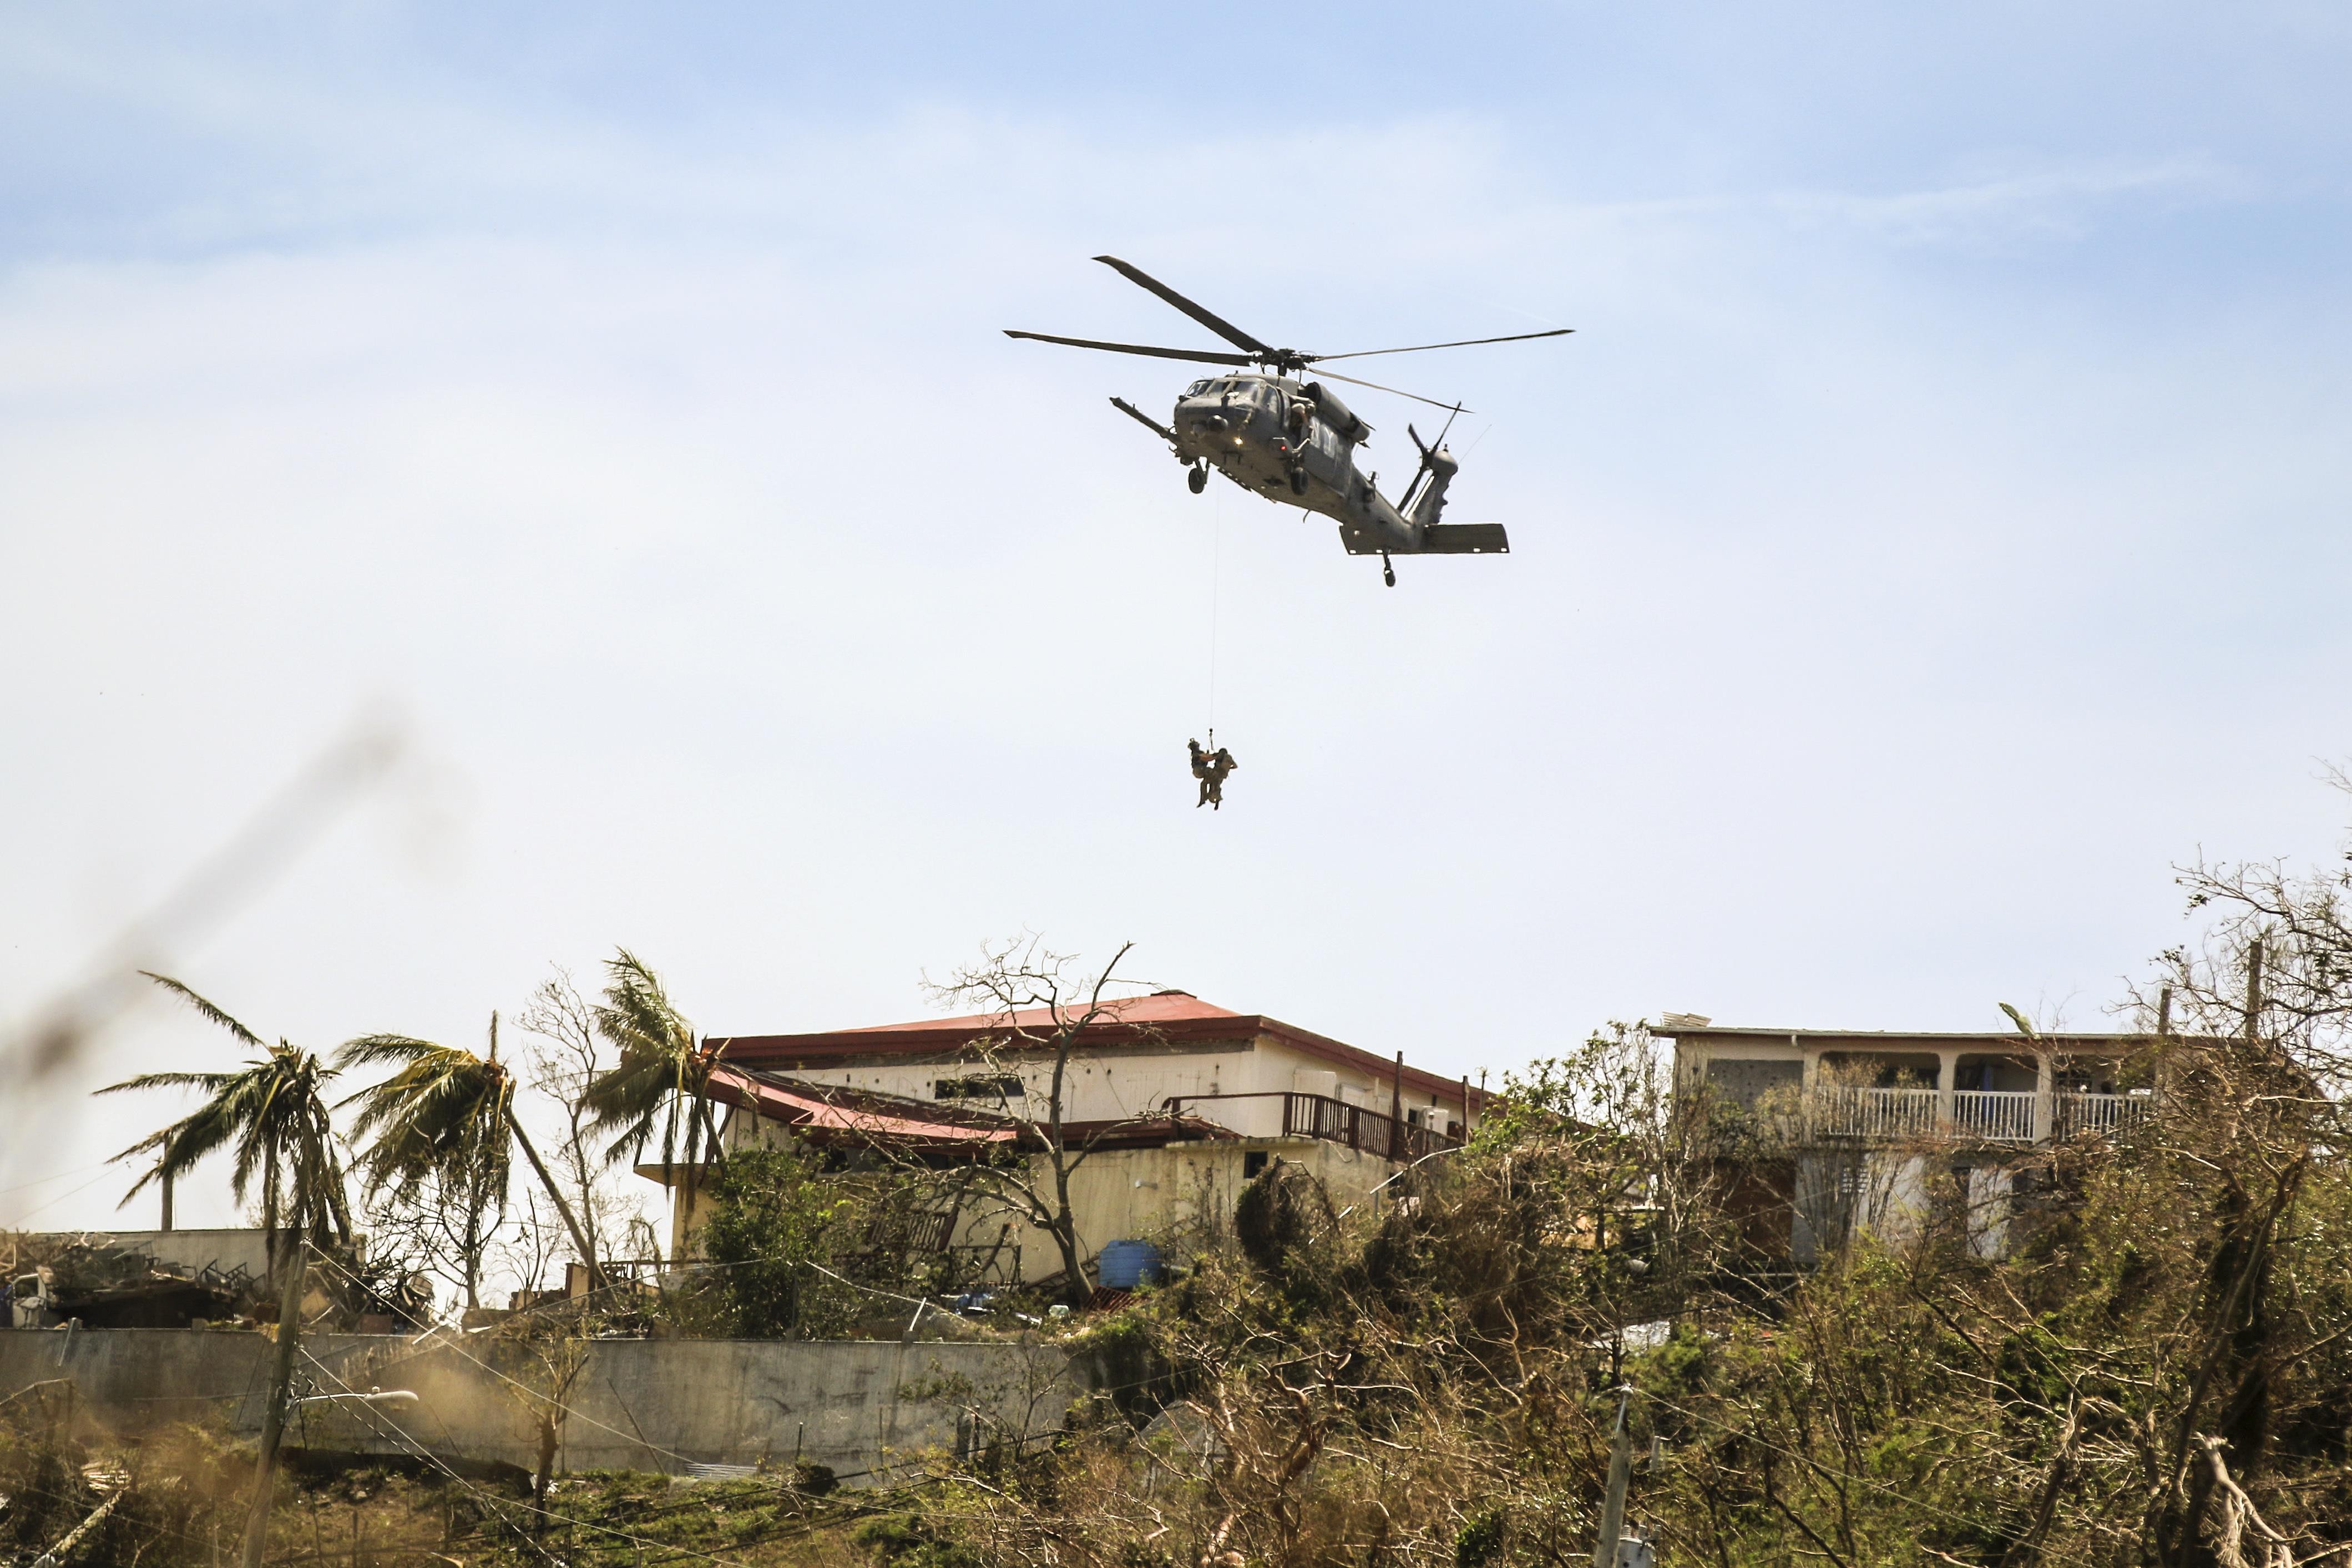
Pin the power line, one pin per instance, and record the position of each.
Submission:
(569, 1412)
(61, 1197)
(61, 1175)
(409, 1441)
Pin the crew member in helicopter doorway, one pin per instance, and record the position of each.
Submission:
(1211, 768)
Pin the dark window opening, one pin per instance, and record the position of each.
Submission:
(1253, 1165)
(1005, 1087)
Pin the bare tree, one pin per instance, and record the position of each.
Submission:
(527, 1248)
(444, 1225)
(567, 1059)
(1040, 1006)
(2298, 992)
(544, 1356)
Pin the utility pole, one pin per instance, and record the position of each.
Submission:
(273, 1414)
(1612, 1506)
(2254, 991)
(1396, 1113)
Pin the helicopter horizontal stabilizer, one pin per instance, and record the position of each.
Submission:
(1444, 539)
(1464, 539)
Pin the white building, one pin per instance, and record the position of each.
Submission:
(1869, 1118)
(1182, 1101)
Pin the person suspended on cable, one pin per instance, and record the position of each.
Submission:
(1211, 768)
(1220, 762)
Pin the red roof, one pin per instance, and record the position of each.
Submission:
(1167, 1016)
(1159, 1007)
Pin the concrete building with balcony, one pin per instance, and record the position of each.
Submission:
(1179, 1101)
(1871, 1126)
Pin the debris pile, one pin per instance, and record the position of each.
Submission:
(111, 1285)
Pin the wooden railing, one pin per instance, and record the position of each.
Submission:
(1332, 1120)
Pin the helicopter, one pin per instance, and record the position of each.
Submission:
(1275, 433)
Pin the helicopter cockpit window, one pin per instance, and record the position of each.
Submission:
(1197, 388)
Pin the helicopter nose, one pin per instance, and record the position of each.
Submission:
(1214, 422)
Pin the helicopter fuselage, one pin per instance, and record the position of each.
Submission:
(1295, 444)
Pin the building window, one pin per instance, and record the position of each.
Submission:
(986, 1087)
(1253, 1165)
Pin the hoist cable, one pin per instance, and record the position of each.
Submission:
(1217, 568)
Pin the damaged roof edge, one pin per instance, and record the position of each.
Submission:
(815, 1051)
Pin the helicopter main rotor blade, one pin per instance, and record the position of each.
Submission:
(1198, 356)
(1376, 386)
(1208, 319)
(1424, 348)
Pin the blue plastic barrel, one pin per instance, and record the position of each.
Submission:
(1124, 1265)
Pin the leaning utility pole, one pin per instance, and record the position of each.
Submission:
(1612, 1506)
(273, 1414)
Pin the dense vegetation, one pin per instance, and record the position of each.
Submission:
(2156, 1374)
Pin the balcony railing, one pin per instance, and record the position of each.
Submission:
(2098, 1115)
(1317, 1115)
(1983, 1116)
(1872, 1114)
(1994, 1115)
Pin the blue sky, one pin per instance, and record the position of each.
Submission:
(1934, 531)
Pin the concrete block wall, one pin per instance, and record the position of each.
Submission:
(861, 1408)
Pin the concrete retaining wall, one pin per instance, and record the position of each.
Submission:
(859, 1407)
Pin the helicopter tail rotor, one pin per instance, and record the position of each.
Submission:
(1438, 467)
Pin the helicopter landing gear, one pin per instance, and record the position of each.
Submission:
(1196, 480)
(1387, 573)
(1298, 482)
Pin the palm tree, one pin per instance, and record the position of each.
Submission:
(446, 1111)
(275, 1112)
(661, 1083)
